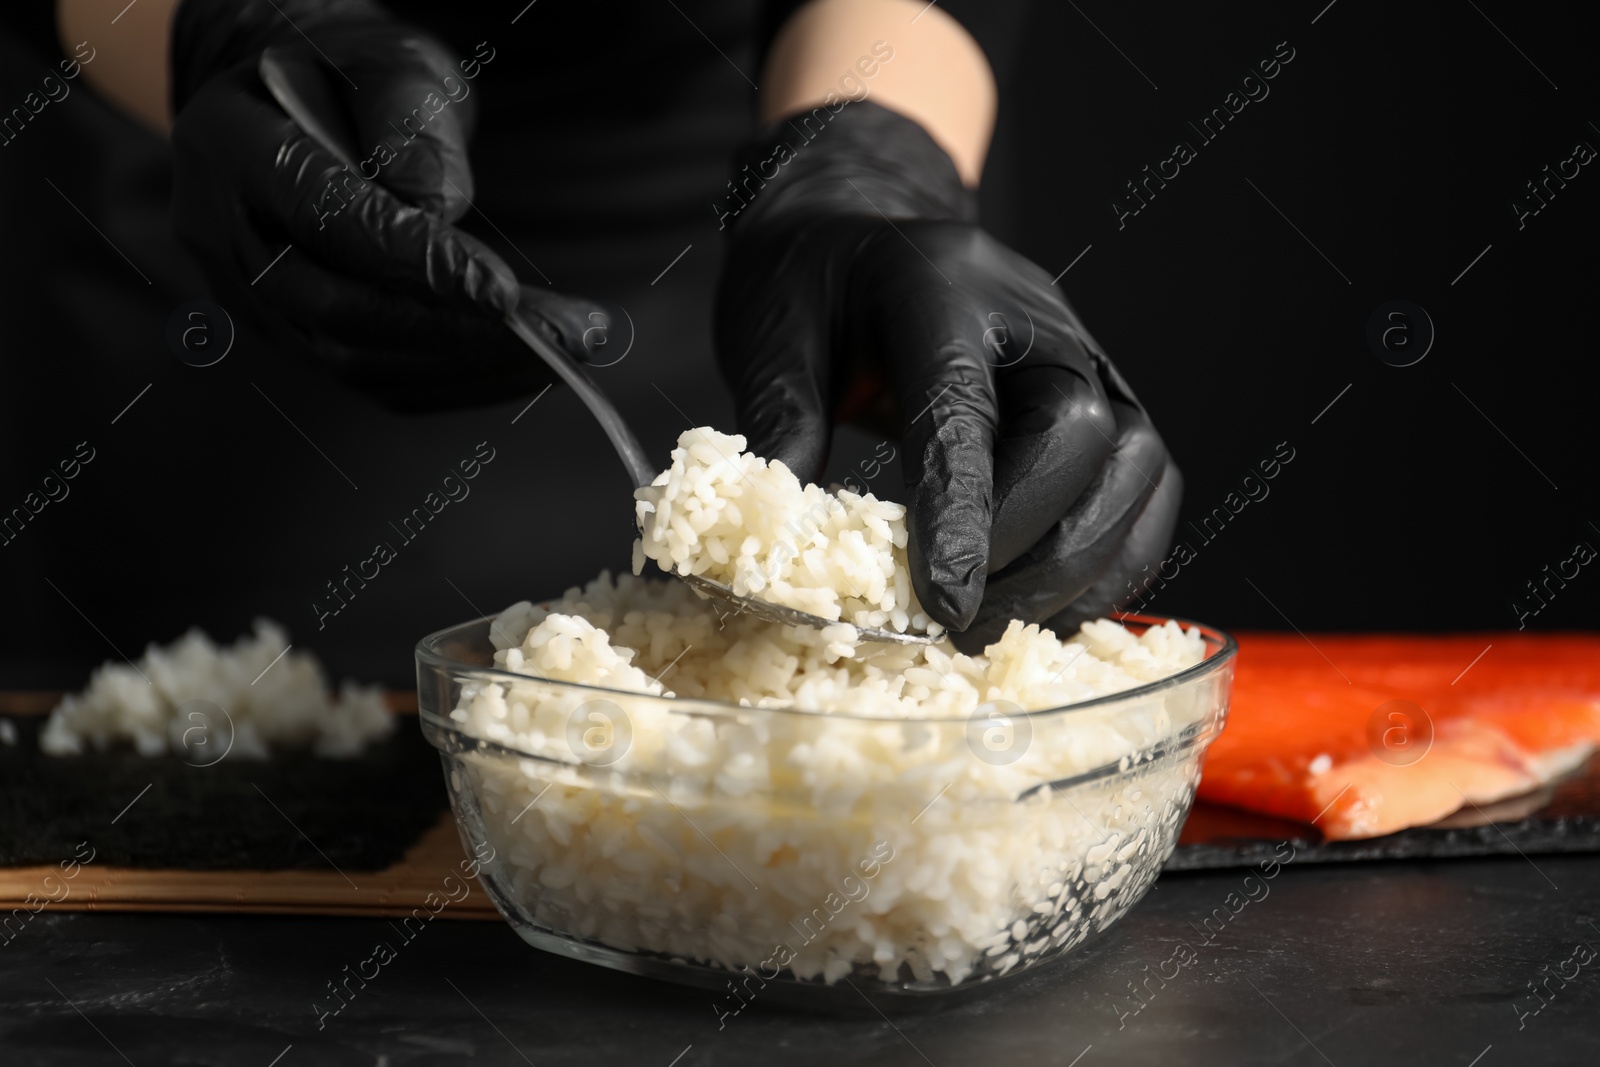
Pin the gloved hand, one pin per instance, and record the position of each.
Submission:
(1038, 488)
(379, 287)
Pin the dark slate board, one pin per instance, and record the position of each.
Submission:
(1564, 817)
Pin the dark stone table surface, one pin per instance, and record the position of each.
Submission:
(1415, 963)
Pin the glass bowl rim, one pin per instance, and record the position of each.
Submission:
(1227, 650)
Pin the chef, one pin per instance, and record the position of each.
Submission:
(548, 158)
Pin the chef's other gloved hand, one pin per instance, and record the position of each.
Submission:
(1038, 488)
(378, 285)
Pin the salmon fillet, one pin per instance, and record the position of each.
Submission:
(1367, 735)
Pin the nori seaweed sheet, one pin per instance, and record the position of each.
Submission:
(362, 814)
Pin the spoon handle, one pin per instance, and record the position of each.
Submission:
(605, 413)
(300, 88)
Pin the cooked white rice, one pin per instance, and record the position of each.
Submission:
(170, 703)
(622, 634)
(735, 518)
(715, 836)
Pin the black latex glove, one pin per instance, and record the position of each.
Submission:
(1038, 489)
(379, 288)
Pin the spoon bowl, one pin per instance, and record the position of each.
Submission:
(764, 609)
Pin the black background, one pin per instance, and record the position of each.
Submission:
(1396, 141)
(1391, 149)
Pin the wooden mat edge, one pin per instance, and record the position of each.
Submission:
(396, 891)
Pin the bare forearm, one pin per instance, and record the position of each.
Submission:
(131, 42)
(938, 75)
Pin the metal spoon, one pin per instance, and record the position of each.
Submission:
(300, 87)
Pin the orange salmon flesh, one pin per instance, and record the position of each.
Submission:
(1367, 735)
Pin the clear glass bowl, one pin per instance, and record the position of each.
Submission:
(784, 852)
